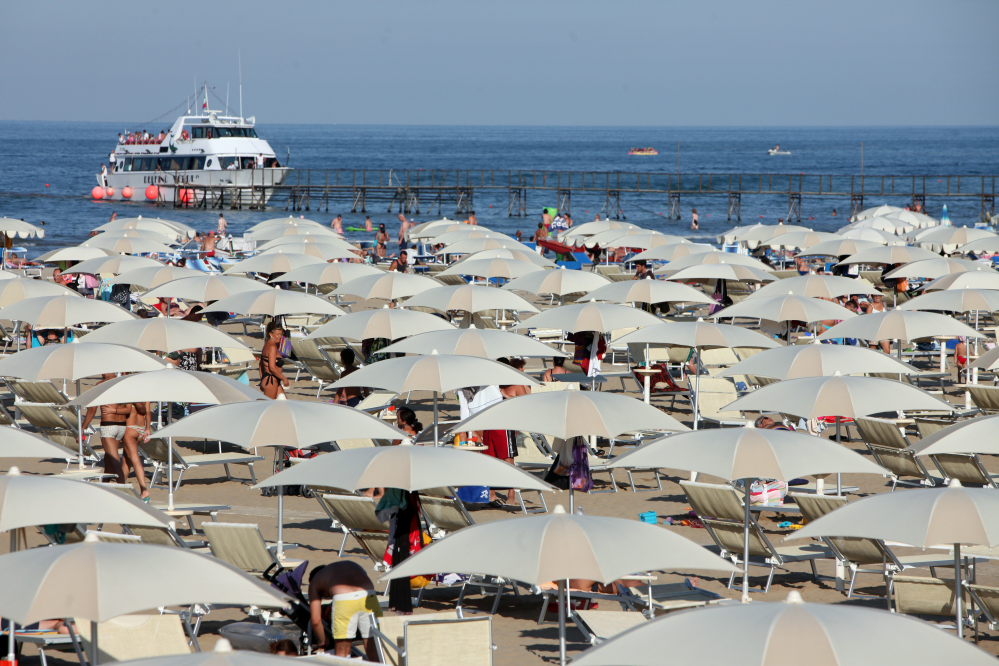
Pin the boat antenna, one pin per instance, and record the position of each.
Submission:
(227, 97)
(196, 93)
(240, 56)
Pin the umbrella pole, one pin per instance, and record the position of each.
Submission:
(17, 332)
(79, 431)
(745, 545)
(697, 382)
(76, 641)
(839, 477)
(561, 622)
(11, 644)
(436, 438)
(958, 589)
(93, 643)
(280, 543)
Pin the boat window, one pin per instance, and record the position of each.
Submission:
(144, 164)
(127, 164)
(172, 163)
(194, 163)
(250, 132)
(223, 132)
(209, 162)
(247, 162)
(225, 162)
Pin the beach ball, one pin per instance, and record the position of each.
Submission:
(109, 192)
(97, 193)
(126, 192)
(152, 192)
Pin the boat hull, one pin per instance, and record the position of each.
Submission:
(171, 182)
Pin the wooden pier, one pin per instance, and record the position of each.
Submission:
(416, 191)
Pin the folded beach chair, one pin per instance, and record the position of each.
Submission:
(986, 398)
(391, 633)
(892, 451)
(155, 450)
(112, 537)
(465, 642)
(856, 553)
(319, 366)
(355, 516)
(916, 595)
(599, 625)
(721, 511)
(136, 636)
(241, 545)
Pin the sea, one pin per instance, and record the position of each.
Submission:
(47, 170)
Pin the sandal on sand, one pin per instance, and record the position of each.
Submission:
(497, 503)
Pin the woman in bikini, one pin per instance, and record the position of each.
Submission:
(272, 379)
(137, 429)
(876, 304)
(382, 240)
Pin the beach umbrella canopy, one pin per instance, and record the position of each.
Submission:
(322, 250)
(815, 286)
(989, 244)
(560, 282)
(282, 221)
(560, 546)
(469, 298)
(599, 226)
(84, 581)
(765, 232)
(64, 311)
(876, 236)
(769, 634)
(74, 253)
(837, 248)
(795, 361)
(912, 217)
(278, 230)
(802, 239)
(786, 308)
(888, 224)
(532, 257)
(154, 276)
(600, 317)
(26, 501)
(410, 468)
(986, 279)
(388, 286)
(18, 443)
(954, 235)
(335, 273)
(166, 228)
(144, 234)
(735, 272)
(12, 228)
(204, 288)
(987, 361)
(648, 291)
(955, 300)
(19, 289)
(428, 230)
(388, 323)
(478, 244)
(306, 240)
(899, 325)
(274, 303)
(437, 373)
(467, 233)
(484, 343)
(889, 254)
(7, 275)
(844, 396)
(170, 385)
(279, 262)
(712, 258)
(115, 264)
(883, 209)
(938, 267)
(977, 435)
(698, 334)
(162, 334)
(493, 268)
(568, 414)
(672, 251)
(923, 518)
(126, 245)
(645, 240)
(74, 362)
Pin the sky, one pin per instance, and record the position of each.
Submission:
(510, 62)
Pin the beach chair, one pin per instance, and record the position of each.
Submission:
(721, 511)
(241, 545)
(41, 391)
(391, 633)
(316, 363)
(986, 398)
(164, 536)
(715, 393)
(349, 444)
(986, 599)
(597, 626)
(355, 516)
(927, 427)
(136, 636)
(917, 595)
(240, 360)
(964, 467)
(112, 537)
(155, 451)
(377, 402)
(892, 451)
(444, 515)
(464, 642)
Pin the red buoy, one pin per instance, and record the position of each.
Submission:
(152, 192)
(126, 192)
(97, 193)
(109, 192)
(185, 196)
(46, 184)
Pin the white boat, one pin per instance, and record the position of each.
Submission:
(778, 151)
(206, 149)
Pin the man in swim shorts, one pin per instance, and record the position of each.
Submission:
(354, 597)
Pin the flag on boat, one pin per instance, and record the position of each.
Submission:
(204, 105)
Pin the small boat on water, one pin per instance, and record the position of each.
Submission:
(777, 151)
(643, 151)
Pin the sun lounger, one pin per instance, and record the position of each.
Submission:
(892, 451)
(241, 545)
(391, 632)
(165, 536)
(986, 599)
(136, 636)
(916, 595)
(598, 626)
(444, 515)
(155, 450)
(986, 398)
(112, 537)
(42, 392)
(713, 395)
(964, 467)
(348, 444)
(721, 511)
(318, 364)
(377, 402)
(355, 516)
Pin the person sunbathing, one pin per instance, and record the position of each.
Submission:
(558, 368)
(348, 395)
(354, 597)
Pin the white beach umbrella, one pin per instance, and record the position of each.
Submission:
(815, 286)
(802, 239)
(73, 362)
(324, 251)
(899, 325)
(978, 435)
(493, 268)
(912, 217)
(892, 254)
(12, 228)
(875, 211)
(274, 303)
(747, 454)
(648, 291)
(736, 272)
(484, 343)
(204, 287)
(162, 334)
(987, 361)
(115, 264)
(19, 289)
(279, 230)
(388, 286)
(637, 238)
(279, 262)
(74, 253)
(306, 239)
(560, 282)
(64, 311)
(335, 273)
(166, 228)
(712, 258)
(18, 443)
(599, 317)
(732, 234)
(126, 245)
(105, 239)
(938, 267)
(532, 257)
(598, 226)
(560, 546)
(467, 233)
(388, 323)
(868, 234)
(7, 275)
(672, 251)
(955, 300)
(838, 248)
(427, 229)
(923, 518)
(469, 298)
(954, 235)
(290, 220)
(794, 361)
(988, 245)
(889, 224)
(479, 244)
(986, 279)
(766, 233)
(777, 633)
(786, 308)
(153, 276)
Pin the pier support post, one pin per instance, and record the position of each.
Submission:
(565, 201)
(793, 207)
(734, 206)
(919, 202)
(856, 204)
(674, 206)
(516, 202)
(988, 208)
(613, 205)
(466, 200)
(360, 198)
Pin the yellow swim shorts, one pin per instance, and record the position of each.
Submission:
(350, 614)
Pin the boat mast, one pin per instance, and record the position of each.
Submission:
(240, 56)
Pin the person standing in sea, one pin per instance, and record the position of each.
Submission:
(222, 226)
(404, 226)
(693, 219)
